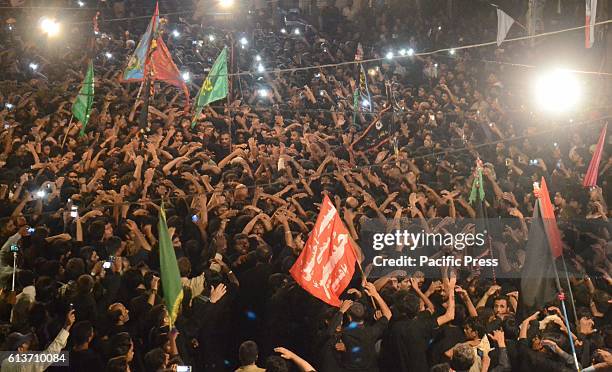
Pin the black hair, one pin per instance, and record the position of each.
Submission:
(117, 364)
(476, 325)
(154, 359)
(81, 332)
(275, 363)
(247, 353)
(122, 342)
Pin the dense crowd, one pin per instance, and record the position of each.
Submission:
(242, 190)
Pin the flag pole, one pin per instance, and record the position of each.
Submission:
(569, 289)
(14, 270)
(561, 297)
(68, 131)
(231, 87)
(364, 277)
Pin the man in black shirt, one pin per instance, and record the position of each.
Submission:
(358, 339)
(404, 347)
(82, 358)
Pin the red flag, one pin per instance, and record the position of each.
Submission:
(590, 16)
(327, 263)
(590, 178)
(164, 69)
(550, 224)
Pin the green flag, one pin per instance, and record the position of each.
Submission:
(170, 276)
(82, 106)
(214, 87)
(477, 187)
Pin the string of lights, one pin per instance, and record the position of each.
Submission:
(420, 54)
(433, 154)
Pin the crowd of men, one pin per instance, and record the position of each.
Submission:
(242, 190)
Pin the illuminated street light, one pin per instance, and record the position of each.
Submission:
(263, 93)
(81, 4)
(40, 194)
(260, 68)
(402, 52)
(557, 90)
(410, 52)
(108, 55)
(34, 66)
(211, 37)
(371, 72)
(175, 33)
(49, 27)
(258, 58)
(452, 52)
(296, 31)
(283, 31)
(186, 76)
(365, 103)
(389, 55)
(243, 41)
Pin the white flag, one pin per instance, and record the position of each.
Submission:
(589, 31)
(504, 22)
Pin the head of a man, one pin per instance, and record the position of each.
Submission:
(463, 358)
(501, 306)
(248, 353)
(118, 313)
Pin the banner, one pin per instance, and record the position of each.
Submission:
(327, 262)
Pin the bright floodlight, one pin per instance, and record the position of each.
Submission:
(260, 68)
(452, 52)
(175, 33)
(410, 52)
(186, 75)
(244, 41)
(296, 31)
(439, 28)
(211, 37)
(283, 31)
(263, 93)
(81, 4)
(49, 27)
(226, 3)
(34, 66)
(402, 52)
(389, 55)
(108, 55)
(558, 90)
(258, 58)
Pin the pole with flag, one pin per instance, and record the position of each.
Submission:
(540, 276)
(214, 87)
(327, 263)
(170, 275)
(590, 17)
(504, 23)
(590, 178)
(477, 195)
(152, 61)
(81, 109)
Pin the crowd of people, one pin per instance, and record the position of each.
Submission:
(242, 190)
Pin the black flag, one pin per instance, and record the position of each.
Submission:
(538, 275)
